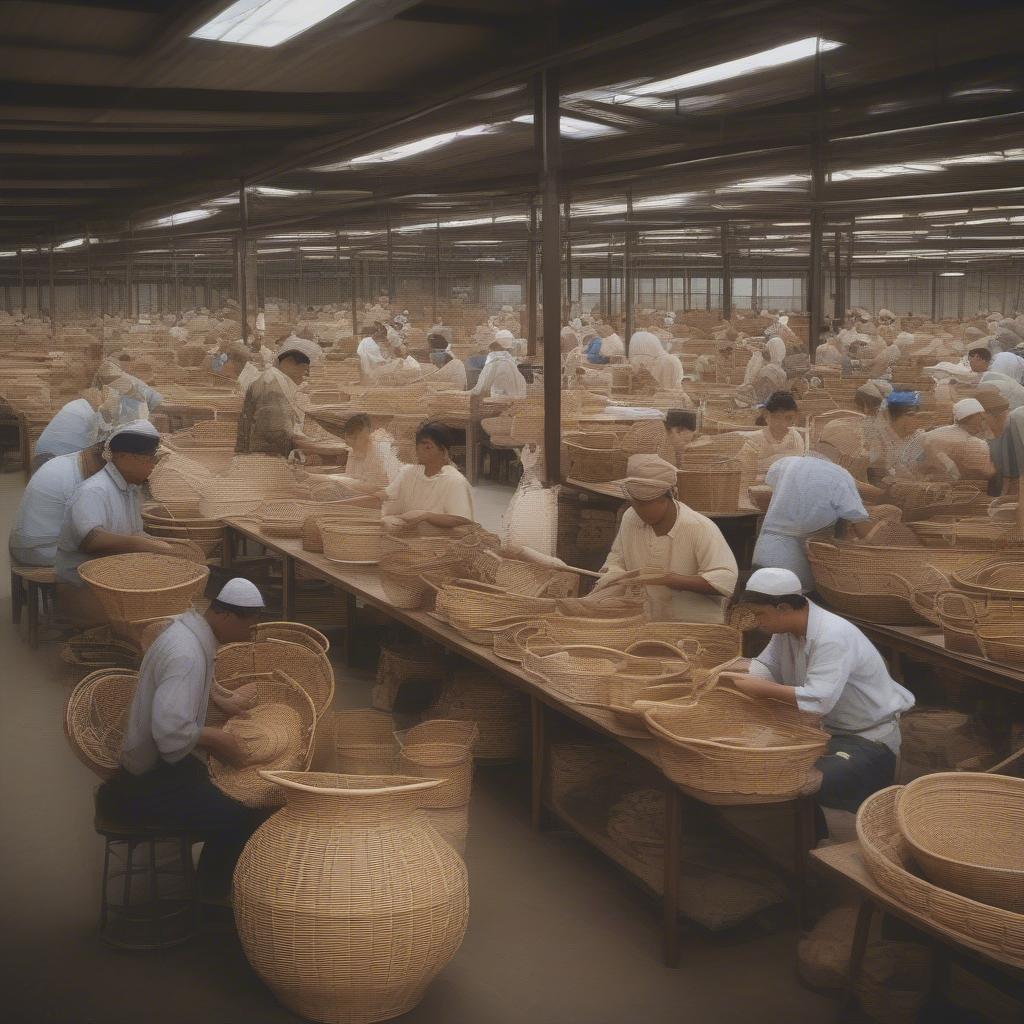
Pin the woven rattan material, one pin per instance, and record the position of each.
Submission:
(334, 512)
(967, 834)
(351, 542)
(890, 860)
(143, 586)
(994, 577)
(277, 734)
(710, 484)
(100, 648)
(364, 742)
(293, 633)
(310, 669)
(397, 666)
(440, 749)
(727, 742)
(501, 714)
(347, 902)
(94, 718)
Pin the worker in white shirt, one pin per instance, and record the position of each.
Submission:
(372, 461)
(1009, 363)
(500, 377)
(775, 350)
(75, 426)
(644, 349)
(371, 356)
(679, 555)
(33, 540)
(163, 779)
(963, 442)
(104, 517)
(824, 665)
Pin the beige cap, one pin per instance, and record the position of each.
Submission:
(648, 477)
(967, 407)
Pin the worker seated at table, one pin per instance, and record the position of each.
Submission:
(802, 495)
(680, 428)
(961, 446)
(644, 349)
(826, 666)
(433, 494)
(372, 359)
(104, 517)
(33, 540)
(500, 377)
(679, 555)
(591, 348)
(163, 779)
(449, 369)
(372, 462)
(133, 398)
(778, 436)
(75, 426)
(237, 365)
(274, 409)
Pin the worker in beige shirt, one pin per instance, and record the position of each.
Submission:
(679, 555)
(963, 442)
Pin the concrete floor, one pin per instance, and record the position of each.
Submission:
(556, 935)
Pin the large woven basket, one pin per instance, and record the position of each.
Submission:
(521, 577)
(310, 669)
(364, 741)
(94, 718)
(334, 513)
(143, 586)
(293, 633)
(440, 749)
(967, 833)
(994, 577)
(710, 484)
(727, 742)
(595, 465)
(891, 863)
(208, 534)
(501, 713)
(351, 542)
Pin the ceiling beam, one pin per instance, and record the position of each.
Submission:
(445, 14)
(96, 97)
(135, 6)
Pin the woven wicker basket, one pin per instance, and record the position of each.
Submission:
(995, 577)
(94, 718)
(710, 484)
(440, 749)
(143, 586)
(595, 465)
(351, 542)
(522, 577)
(311, 532)
(500, 713)
(727, 742)
(967, 832)
(364, 741)
(891, 863)
(293, 633)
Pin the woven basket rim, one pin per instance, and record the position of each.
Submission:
(87, 570)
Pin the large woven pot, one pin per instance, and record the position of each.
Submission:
(346, 901)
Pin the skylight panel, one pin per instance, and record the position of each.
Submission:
(175, 219)
(801, 49)
(267, 22)
(406, 149)
(576, 127)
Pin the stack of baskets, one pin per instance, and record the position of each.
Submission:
(711, 483)
(352, 542)
(333, 513)
(947, 847)
(208, 534)
(411, 567)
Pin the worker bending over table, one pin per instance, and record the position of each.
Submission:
(74, 426)
(372, 460)
(679, 555)
(433, 494)
(274, 410)
(163, 779)
(826, 666)
(500, 376)
(33, 540)
(104, 516)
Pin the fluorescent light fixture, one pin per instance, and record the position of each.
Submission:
(801, 49)
(267, 22)
(575, 127)
(883, 216)
(482, 241)
(7, 255)
(406, 149)
(664, 202)
(174, 219)
(74, 243)
(596, 208)
(944, 213)
(273, 192)
(952, 273)
(777, 182)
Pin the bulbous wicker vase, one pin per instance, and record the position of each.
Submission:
(347, 902)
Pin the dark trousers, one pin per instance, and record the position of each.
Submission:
(181, 796)
(851, 770)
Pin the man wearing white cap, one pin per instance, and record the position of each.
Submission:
(104, 515)
(500, 377)
(826, 666)
(371, 359)
(163, 778)
(1008, 363)
(679, 555)
(274, 409)
(960, 446)
(644, 349)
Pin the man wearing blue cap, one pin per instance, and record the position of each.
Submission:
(826, 666)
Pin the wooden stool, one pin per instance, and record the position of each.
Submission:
(32, 585)
(151, 868)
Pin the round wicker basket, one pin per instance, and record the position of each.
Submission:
(94, 718)
(143, 586)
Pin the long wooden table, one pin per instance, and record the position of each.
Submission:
(364, 585)
(845, 863)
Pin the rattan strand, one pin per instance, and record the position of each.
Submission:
(143, 586)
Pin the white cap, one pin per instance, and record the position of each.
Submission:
(241, 594)
(504, 337)
(774, 583)
(310, 349)
(967, 407)
(143, 427)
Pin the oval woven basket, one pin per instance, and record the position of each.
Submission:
(94, 718)
(312, 533)
(994, 577)
(351, 542)
(967, 833)
(727, 742)
(595, 465)
(710, 486)
(293, 633)
(143, 586)
(890, 861)
(440, 749)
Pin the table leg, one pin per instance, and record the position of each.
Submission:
(538, 756)
(860, 944)
(227, 554)
(287, 588)
(351, 615)
(670, 894)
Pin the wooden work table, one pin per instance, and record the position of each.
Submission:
(363, 584)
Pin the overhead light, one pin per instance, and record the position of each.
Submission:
(763, 61)
(665, 201)
(482, 241)
(575, 127)
(777, 182)
(174, 219)
(273, 192)
(952, 273)
(7, 255)
(944, 213)
(267, 22)
(883, 216)
(74, 243)
(407, 149)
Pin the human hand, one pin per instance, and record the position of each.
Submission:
(742, 681)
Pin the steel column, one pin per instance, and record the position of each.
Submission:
(51, 309)
(567, 309)
(815, 278)
(726, 274)
(935, 294)
(531, 282)
(547, 121)
(128, 273)
(627, 273)
(243, 258)
(389, 281)
(839, 307)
